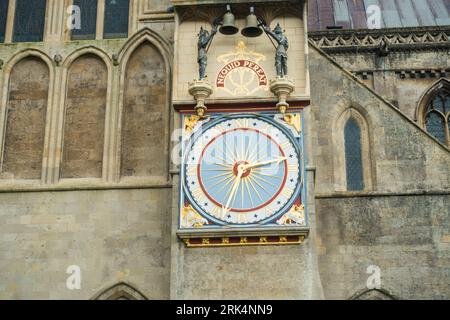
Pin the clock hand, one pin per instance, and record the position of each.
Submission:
(235, 187)
(264, 163)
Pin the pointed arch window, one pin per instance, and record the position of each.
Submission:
(437, 116)
(29, 20)
(116, 19)
(88, 20)
(353, 161)
(3, 16)
(353, 156)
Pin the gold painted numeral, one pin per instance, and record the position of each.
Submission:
(242, 123)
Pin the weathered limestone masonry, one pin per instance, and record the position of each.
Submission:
(402, 223)
(85, 164)
(415, 58)
(86, 177)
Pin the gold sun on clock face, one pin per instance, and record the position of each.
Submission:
(242, 170)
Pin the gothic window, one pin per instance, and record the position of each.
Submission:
(88, 20)
(437, 117)
(353, 156)
(116, 19)
(29, 20)
(3, 16)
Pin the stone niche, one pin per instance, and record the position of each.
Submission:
(239, 68)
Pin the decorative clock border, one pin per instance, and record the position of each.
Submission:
(244, 237)
(289, 233)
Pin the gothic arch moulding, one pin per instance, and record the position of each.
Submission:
(140, 37)
(144, 106)
(84, 51)
(120, 291)
(344, 113)
(71, 60)
(85, 106)
(373, 294)
(28, 76)
(427, 97)
(8, 67)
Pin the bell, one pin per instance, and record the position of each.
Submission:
(252, 29)
(228, 27)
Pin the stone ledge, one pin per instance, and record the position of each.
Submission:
(35, 186)
(156, 17)
(229, 236)
(374, 194)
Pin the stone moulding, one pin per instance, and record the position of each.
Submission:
(397, 39)
(120, 291)
(407, 73)
(243, 236)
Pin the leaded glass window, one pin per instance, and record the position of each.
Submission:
(86, 30)
(353, 156)
(29, 20)
(437, 117)
(435, 124)
(116, 19)
(3, 16)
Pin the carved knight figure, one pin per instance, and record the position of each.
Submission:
(281, 53)
(204, 39)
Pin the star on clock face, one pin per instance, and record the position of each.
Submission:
(247, 171)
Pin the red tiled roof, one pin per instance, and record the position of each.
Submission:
(351, 14)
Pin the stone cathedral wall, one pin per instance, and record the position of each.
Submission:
(86, 177)
(401, 223)
(85, 166)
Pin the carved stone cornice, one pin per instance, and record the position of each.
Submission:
(395, 39)
(406, 73)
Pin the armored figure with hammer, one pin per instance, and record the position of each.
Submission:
(204, 39)
(281, 53)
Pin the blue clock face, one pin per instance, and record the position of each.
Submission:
(242, 170)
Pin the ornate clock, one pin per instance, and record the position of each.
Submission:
(243, 170)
